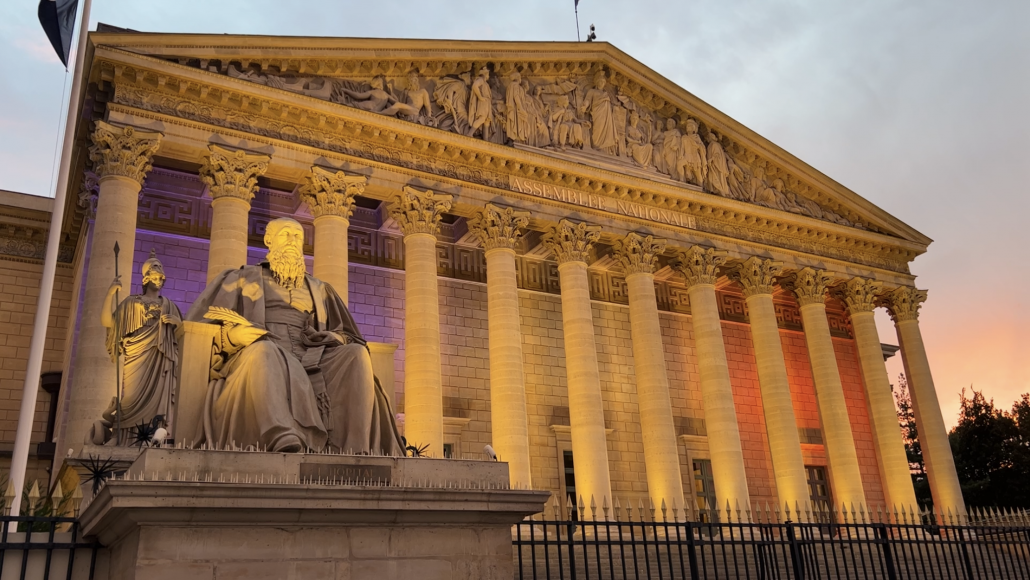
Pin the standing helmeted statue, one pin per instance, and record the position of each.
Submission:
(141, 339)
(290, 370)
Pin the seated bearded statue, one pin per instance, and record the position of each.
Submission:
(291, 371)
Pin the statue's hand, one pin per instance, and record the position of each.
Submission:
(323, 337)
(169, 319)
(116, 285)
(241, 336)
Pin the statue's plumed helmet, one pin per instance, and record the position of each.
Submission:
(277, 224)
(151, 263)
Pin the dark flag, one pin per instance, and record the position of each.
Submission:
(58, 20)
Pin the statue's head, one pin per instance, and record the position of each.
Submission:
(413, 83)
(484, 72)
(515, 77)
(670, 123)
(691, 126)
(563, 101)
(153, 271)
(284, 238)
(377, 82)
(600, 80)
(634, 118)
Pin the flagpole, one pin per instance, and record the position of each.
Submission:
(576, 7)
(23, 436)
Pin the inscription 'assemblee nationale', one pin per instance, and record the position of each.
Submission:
(599, 202)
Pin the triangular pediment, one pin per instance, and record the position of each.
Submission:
(582, 103)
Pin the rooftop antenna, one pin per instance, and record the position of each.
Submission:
(592, 36)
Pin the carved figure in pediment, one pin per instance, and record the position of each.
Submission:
(523, 114)
(481, 112)
(716, 180)
(418, 98)
(566, 128)
(640, 148)
(598, 102)
(452, 95)
(692, 164)
(377, 100)
(668, 145)
(738, 181)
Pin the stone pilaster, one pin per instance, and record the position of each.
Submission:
(330, 196)
(419, 213)
(121, 159)
(809, 286)
(859, 295)
(571, 242)
(904, 303)
(499, 229)
(700, 267)
(638, 256)
(757, 278)
(231, 177)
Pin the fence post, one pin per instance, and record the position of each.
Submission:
(572, 551)
(795, 552)
(967, 565)
(888, 551)
(692, 551)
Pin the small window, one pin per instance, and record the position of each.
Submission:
(818, 488)
(448, 451)
(704, 487)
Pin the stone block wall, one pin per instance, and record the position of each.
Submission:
(377, 304)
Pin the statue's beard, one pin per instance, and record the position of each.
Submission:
(287, 265)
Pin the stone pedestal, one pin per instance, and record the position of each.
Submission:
(216, 514)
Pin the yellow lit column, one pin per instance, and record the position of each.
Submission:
(419, 213)
(499, 229)
(231, 176)
(859, 295)
(809, 287)
(700, 268)
(571, 243)
(330, 196)
(638, 255)
(121, 160)
(755, 276)
(903, 303)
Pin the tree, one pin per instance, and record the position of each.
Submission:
(992, 451)
(910, 435)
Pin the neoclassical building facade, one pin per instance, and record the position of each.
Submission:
(554, 251)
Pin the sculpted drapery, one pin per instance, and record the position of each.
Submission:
(602, 117)
(293, 371)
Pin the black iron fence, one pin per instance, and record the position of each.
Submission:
(768, 545)
(45, 548)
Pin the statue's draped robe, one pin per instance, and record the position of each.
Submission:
(602, 119)
(285, 384)
(149, 357)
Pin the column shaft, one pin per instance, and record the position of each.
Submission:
(331, 255)
(780, 421)
(833, 410)
(661, 451)
(423, 386)
(229, 225)
(508, 415)
(117, 206)
(586, 407)
(933, 435)
(717, 398)
(890, 448)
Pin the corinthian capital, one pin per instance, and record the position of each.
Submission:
(419, 212)
(808, 285)
(639, 254)
(700, 265)
(571, 241)
(331, 193)
(903, 303)
(756, 276)
(858, 294)
(123, 151)
(231, 173)
(498, 227)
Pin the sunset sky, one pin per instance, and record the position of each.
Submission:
(920, 106)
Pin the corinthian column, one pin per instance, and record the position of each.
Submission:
(904, 303)
(419, 213)
(809, 287)
(700, 268)
(231, 177)
(859, 295)
(121, 160)
(571, 242)
(330, 196)
(499, 229)
(638, 255)
(755, 276)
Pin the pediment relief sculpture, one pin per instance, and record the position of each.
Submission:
(582, 114)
